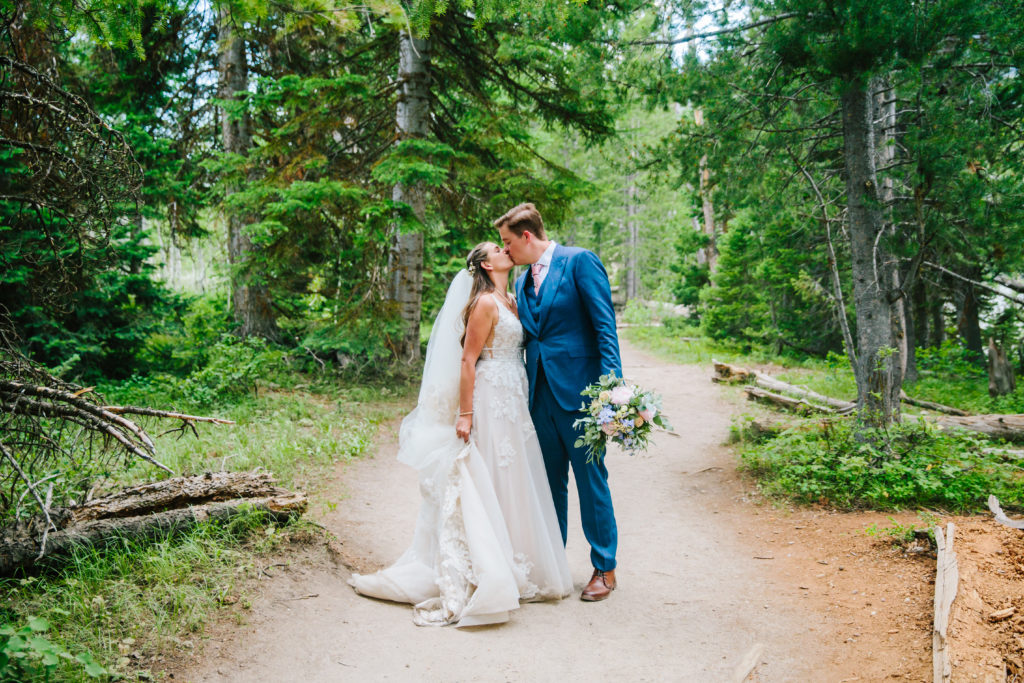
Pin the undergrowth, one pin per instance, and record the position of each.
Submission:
(908, 465)
(833, 462)
(117, 608)
(113, 609)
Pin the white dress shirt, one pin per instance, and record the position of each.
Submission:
(545, 262)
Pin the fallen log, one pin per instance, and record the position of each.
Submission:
(1008, 427)
(146, 511)
(795, 404)
(937, 407)
(730, 373)
(777, 385)
(177, 492)
(726, 373)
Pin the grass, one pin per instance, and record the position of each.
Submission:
(296, 433)
(128, 603)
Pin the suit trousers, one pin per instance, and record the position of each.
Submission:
(557, 437)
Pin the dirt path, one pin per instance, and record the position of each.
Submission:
(693, 598)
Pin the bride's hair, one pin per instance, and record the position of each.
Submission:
(481, 282)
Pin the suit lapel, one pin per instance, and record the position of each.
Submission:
(551, 281)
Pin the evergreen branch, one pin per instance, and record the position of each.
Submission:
(833, 265)
(712, 34)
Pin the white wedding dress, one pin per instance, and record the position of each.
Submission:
(487, 536)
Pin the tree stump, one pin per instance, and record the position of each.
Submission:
(1000, 373)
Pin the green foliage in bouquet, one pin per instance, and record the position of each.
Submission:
(618, 413)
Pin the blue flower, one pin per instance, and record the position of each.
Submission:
(627, 423)
(606, 415)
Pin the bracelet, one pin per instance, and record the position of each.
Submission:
(468, 412)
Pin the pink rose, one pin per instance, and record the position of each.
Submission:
(608, 428)
(648, 413)
(621, 394)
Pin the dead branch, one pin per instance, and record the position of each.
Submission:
(1000, 516)
(1012, 297)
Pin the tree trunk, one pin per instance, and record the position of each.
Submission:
(878, 365)
(412, 120)
(917, 332)
(910, 330)
(884, 119)
(970, 323)
(250, 300)
(710, 251)
(632, 235)
(1000, 372)
(938, 322)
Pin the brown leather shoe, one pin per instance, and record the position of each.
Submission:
(600, 587)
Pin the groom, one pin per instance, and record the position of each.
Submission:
(565, 306)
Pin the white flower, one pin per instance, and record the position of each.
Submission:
(621, 394)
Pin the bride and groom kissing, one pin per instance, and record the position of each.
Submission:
(492, 436)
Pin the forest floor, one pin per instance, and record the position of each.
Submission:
(708, 571)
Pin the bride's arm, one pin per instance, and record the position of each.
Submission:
(481, 319)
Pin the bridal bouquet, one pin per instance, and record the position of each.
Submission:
(618, 413)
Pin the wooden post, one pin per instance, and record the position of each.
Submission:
(947, 575)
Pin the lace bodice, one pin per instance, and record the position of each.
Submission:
(501, 372)
(508, 336)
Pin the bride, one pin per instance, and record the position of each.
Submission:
(487, 536)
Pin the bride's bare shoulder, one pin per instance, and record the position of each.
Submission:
(484, 306)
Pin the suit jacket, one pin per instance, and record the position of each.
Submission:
(569, 328)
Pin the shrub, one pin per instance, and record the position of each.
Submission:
(680, 326)
(908, 465)
(637, 313)
(951, 359)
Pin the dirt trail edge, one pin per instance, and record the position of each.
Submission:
(694, 599)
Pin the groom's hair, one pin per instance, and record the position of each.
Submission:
(521, 218)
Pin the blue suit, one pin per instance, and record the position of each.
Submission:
(570, 338)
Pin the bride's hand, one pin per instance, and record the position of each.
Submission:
(463, 426)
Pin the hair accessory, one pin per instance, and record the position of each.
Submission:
(471, 268)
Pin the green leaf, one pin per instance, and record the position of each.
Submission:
(92, 668)
(38, 624)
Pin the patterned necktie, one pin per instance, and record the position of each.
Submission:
(536, 269)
